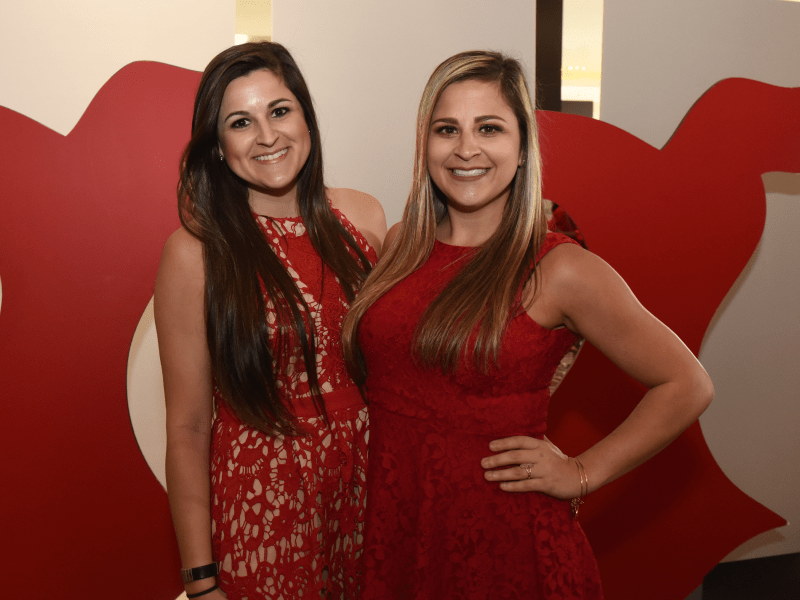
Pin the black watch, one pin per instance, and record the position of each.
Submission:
(197, 573)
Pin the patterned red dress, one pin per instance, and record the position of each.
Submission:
(436, 528)
(288, 511)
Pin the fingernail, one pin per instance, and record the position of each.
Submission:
(492, 445)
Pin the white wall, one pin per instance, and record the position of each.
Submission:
(367, 63)
(658, 59)
(56, 55)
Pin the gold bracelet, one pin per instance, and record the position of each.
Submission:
(576, 502)
(584, 479)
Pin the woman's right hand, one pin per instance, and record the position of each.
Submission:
(532, 465)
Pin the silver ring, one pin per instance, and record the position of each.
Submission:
(527, 467)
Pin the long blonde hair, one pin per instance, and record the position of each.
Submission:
(486, 292)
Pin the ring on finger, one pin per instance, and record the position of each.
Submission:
(527, 467)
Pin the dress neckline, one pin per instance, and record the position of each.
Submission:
(286, 227)
(297, 219)
(453, 248)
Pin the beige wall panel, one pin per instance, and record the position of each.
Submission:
(56, 54)
(660, 57)
(366, 64)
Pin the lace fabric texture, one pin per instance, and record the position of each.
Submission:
(287, 512)
(435, 527)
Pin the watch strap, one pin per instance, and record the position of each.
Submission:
(198, 573)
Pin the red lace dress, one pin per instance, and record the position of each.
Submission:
(436, 529)
(288, 511)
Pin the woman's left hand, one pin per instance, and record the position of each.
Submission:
(532, 466)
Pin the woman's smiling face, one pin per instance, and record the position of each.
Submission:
(263, 135)
(473, 145)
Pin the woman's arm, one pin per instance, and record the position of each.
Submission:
(180, 323)
(364, 212)
(584, 293)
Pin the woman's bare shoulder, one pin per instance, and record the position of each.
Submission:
(363, 211)
(361, 205)
(569, 277)
(182, 257)
(570, 265)
(393, 232)
(183, 244)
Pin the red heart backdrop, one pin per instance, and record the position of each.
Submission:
(84, 218)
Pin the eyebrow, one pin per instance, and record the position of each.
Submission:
(481, 119)
(246, 113)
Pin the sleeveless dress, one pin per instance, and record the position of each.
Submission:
(436, 529)
(287, 512)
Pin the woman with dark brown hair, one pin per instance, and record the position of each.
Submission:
(266, 433)
(461, 328)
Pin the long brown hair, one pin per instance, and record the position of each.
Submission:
(213, 206)
(486, 292)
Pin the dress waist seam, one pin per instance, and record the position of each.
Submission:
(303, 407)
(436, 423)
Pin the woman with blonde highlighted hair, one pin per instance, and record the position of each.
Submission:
(457, 334)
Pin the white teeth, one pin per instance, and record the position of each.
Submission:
(470, 173)
(272, 156)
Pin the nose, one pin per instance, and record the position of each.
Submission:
(267, 134)
(467, 147)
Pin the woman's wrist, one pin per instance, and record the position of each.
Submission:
(202, 572)
(204, 592)
(595, 469)
(201, 585)
(200, 579)
(584, 487)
